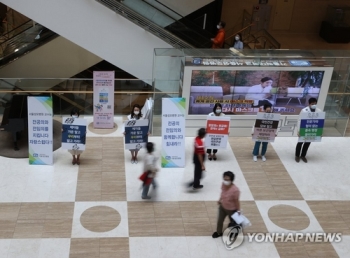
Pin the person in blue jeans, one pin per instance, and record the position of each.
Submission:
(267, 109)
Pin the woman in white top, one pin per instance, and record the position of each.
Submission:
(135, 115)
(217, 111)
(268, 109)
(238, 44)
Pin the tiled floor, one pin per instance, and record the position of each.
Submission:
(95, 209)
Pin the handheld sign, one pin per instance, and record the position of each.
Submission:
(74, 133)
(136, 134)
(311, 126)
(217, 132)
(265, 128)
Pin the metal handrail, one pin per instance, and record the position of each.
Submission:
(234, 34)
(263, 34)
(146, 24)
(27, 24)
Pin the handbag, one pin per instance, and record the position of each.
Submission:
(145, 178)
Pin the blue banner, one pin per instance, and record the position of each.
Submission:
(73, 133)
(136, 134)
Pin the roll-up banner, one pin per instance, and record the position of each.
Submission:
(73, 133)
(311, 126)
(217, 132)
(40, 130)
(103, 99)
(173, 132)
(265, 128)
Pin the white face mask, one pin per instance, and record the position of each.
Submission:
(74, 116)
(313, 106)
(136, 112)
(218, 111)
(218, 26)
(237, 38)
(227, 182)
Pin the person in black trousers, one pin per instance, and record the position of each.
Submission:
(304, 146)
(198, 159)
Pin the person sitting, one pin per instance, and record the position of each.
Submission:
(261, 93)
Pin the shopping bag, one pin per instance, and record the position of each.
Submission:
(241, 219)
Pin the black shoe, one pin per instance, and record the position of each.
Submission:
(198, 187)
(216, 235)
(190, 185)
(297, 159)
(304, 159)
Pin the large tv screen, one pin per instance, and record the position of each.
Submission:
(244, 92)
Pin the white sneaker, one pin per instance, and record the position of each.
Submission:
(255, 158)
(263, 158)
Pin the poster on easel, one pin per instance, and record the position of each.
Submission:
(311, 126)
(103, 99)
(40, 130)
(265, 127)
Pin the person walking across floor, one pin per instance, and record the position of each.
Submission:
(267, 109)
(228, 203)
(149, 170)
(219, 40)
(198, 159)
(304, 146)
(217, 111)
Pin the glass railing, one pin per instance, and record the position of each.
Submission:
(262, 40)
(336, 101)
(22, 39)
(78, 93)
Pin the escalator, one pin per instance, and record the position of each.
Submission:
(117, 34)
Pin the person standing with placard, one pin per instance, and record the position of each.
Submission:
(267, 109)
(304, 146)
(135, 115)
(75, 153)
(217, 111)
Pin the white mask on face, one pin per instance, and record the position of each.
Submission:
(74, 116)
(237, 38)
(218, 26)
(136, 112)
(218, 111)
(227, 182)
(313, 106)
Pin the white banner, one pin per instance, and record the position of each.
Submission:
(218, 128)
(265, 128)
(40, 130)
(173, 132)
(73, 133)
(103, 99)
